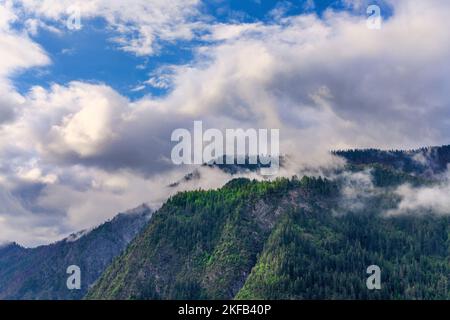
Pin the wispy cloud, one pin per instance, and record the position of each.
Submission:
(423, 200)
(139, 24)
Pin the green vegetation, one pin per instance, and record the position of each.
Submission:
(326, 258)
(286, 239)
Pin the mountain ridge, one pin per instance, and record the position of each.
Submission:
(40, 272)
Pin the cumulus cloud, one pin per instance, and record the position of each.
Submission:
(73, 154)
(93, 125)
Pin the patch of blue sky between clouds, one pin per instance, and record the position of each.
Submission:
(91, 55)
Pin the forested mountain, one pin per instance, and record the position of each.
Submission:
(285, 239)
(40, 273)
(425, 161)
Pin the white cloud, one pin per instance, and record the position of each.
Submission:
(17, 53)
(139, 24)
(423, 200)
(223, 31)
(96, 111)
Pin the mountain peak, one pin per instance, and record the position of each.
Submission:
(139, 209)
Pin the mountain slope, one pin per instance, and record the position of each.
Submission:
(40, 273)
(287, 239)
(326, 258)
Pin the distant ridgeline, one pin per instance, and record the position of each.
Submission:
(232, 169)
(40, 273)
(245, 166)
(424, 161)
